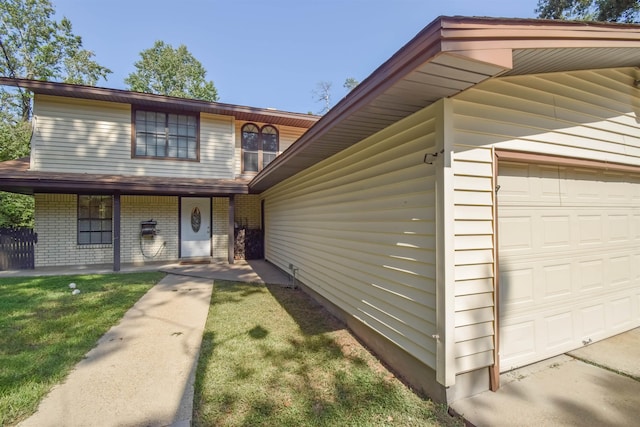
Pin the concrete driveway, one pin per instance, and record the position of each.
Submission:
(595, 385)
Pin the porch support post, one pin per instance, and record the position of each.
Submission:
(232, 238)
(116, 231)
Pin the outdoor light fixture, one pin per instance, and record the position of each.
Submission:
(430, 157)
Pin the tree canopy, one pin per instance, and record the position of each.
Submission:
(33, 45)
(36, 46)
(590, 10)
(164, 70)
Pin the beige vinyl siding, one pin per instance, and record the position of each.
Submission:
(287, 136)
(360, 228)
(473, 257)
(81, 136)
(586, 114)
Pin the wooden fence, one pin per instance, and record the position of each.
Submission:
(17, 248)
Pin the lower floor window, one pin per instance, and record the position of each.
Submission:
(95, 215)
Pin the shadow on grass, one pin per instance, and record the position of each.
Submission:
(46, 330)
(273, 356)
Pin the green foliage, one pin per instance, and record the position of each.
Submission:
(14, 139)
(350, 83)
(36, 46)
(16, 210)
(46, 330)
(164, 70)
(590, 10)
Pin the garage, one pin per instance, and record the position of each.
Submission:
(569, 258)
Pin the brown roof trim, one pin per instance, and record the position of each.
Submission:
(15, 176)
(481, 40)
(266, 115)
(422, 47)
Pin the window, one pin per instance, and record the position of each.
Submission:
(94, 220)
(165, 135)
(259, 146)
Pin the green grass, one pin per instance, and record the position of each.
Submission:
(45, 331)
(270, 356)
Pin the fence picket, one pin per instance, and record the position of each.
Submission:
(17, 248)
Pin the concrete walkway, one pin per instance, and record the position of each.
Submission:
(568, 390)
(141, 372)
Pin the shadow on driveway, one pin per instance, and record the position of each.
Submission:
(592, 386)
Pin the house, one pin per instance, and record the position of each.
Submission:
(470, 207)
(107, 163)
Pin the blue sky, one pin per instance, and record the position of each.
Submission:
(269, 53)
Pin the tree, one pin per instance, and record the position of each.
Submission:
(590, 10)
(350, 83)
(322, 93)
(33, 45)
(164, 70)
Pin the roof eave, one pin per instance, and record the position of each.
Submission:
(241, 112)
(486, 43)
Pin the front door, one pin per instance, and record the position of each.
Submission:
(195, 227)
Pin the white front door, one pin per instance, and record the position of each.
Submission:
(195, 227)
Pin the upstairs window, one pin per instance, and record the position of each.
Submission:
(162, 135)
(259, 146)
(95, 214)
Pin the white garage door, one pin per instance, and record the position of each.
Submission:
(569, 259)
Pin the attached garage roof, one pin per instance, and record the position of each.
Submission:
(449, 56)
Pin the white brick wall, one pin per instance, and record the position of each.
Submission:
(220, 229)
(247, 211)
(164, 210)
(56, 225)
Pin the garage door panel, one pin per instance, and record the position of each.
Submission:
(557, 280)
(556, 231)
(591, 278)
(619, 228)
(517, 233)
(620, 312)
(589, 229)
(591, 319)
(569, 260)
(516, 342)
(516, 287)
(619, 271)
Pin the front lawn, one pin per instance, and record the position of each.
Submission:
(270, 356)
(45, 330)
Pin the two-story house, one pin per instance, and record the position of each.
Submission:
(119, 175)
(471, 207)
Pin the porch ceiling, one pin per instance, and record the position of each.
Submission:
(447, 57)
(16, 177)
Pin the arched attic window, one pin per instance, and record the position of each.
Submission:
(259, 146)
